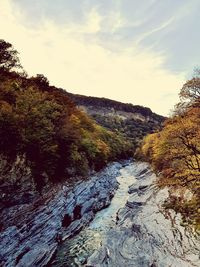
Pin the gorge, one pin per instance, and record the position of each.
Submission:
(116, 218)
(88, 181)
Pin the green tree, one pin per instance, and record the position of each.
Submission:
(8, 57)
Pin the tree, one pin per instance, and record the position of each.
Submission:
(40, 81)
(175, 151)
(190, 92)
(8, 57)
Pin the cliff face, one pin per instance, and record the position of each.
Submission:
(32, 231)
(113, 112)
(110, 106)
(132, 121)
(16, 184)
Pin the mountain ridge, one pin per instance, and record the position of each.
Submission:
(84, 100)
(131, 121)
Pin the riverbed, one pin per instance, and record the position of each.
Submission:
(134, 230)
(114, 218)
(75, 251)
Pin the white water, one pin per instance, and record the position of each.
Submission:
(156, 240)
(75, 251)
(106, 217)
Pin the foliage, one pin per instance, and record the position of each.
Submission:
(8, 56)
(175, 151)
(132, 129)
(112, 104)
(42, 124)
(129, 121)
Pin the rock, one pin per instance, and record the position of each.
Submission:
(33, 239)
(145, 235)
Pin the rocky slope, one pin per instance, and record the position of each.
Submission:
(132, 121)
(33, 231)
(145, 235)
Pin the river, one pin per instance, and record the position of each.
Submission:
(134, 230)
(75, 251)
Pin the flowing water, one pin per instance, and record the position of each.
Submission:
(134, 231)
(75, 251)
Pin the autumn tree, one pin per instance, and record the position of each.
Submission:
(175, 151)
(40, 81)
(42, 125)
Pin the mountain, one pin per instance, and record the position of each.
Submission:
(47, 139)
(131, 121)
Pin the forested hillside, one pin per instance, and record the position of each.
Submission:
(131, 121)
(108, 103)
(174, 153)
(41, 127)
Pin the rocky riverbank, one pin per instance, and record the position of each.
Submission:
(140, 234)
(145, 235)
(32, 239)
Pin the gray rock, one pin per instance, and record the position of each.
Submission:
(33, 238)
(145, 234)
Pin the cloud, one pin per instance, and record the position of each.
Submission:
(86, 65)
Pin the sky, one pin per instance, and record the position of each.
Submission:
(133, 51)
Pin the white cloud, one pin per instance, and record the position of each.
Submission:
(164, 25)
(69, 61)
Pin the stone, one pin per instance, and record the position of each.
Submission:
(145, 235)
(33, 237)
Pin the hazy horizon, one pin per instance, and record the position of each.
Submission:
(129, 51)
